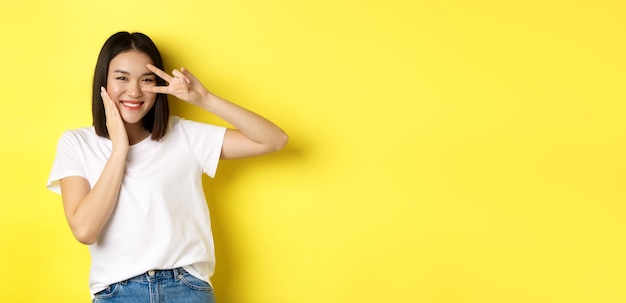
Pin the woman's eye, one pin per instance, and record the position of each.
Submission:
(121, 78)
(148, 80)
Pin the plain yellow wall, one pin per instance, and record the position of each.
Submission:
(441, 151)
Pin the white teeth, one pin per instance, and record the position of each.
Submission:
(128, 104)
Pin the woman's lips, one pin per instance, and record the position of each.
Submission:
(132, 105)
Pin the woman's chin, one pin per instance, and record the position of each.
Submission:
(131, 120)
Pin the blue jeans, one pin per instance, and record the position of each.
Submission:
(158, 286)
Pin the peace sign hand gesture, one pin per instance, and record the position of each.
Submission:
(182, 85)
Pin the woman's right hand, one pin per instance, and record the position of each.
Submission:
(114, 122)
(88, 208)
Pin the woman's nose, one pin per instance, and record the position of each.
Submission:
(134, 90)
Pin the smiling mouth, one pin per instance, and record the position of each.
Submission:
(132, 105)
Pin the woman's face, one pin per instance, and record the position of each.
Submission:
(127, 75)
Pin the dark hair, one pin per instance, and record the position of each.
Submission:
(156, 119)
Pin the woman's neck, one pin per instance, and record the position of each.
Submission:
(136, 133)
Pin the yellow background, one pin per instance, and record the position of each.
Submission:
(441, 151)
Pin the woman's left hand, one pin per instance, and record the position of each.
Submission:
(182, 85)
(253, 134)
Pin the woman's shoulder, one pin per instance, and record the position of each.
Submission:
(180, 122)
(84, 132)
(81, 135)
(177, 123)
(192, 128)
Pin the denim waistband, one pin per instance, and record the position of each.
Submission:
(159, 274)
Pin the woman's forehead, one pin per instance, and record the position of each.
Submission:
(131, 61)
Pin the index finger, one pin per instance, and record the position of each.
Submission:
(106, 98)
(163, 75)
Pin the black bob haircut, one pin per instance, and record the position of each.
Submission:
(156, 119)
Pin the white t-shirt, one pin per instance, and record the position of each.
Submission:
(161, 219)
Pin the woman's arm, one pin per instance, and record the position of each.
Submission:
(88, 209)
(254, 135)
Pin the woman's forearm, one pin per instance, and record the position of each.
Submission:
(88, 210)
(252, 125)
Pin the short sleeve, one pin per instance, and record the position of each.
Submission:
(67, 162)
(206, 141)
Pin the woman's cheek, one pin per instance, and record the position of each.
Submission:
(113, 91)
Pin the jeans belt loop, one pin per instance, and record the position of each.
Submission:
(176, 274)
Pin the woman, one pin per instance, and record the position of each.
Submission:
(132, 184)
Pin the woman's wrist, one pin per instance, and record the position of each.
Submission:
(119, 153)
(208, 102)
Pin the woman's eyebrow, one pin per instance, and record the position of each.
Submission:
(127, 73)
